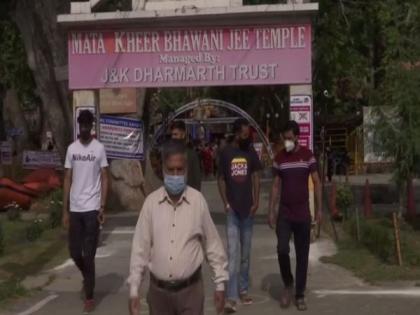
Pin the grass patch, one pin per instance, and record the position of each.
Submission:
(29, 258)
(373, 258)
(11, 289)
(29, 247)
(358, 259)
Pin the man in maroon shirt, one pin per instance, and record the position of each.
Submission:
(292, 168)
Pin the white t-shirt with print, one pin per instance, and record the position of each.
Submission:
(86, 162)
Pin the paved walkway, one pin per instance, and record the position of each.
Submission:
(331, 290)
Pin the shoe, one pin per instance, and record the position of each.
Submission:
(89, 306)
(230, 307)
(300, 304)
(286, 297)
(246, 299)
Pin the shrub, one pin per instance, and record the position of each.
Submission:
(344, 199)
(55, 211)
(377, 236)
(13, 212)
(1, 240)
(34, 230)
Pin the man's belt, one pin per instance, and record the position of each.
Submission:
(177, 285)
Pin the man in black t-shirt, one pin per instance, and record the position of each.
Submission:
(239, 186)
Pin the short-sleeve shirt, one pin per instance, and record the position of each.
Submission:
(237, 166)
(86, 162)
(294, 169)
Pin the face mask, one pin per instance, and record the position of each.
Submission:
(84, 135)
(289, 145)
(85, 132)
(174, 184)
(244, 144)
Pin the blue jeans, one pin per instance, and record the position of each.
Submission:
(239, 236)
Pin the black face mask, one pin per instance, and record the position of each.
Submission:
(244, 144)
(85, 135)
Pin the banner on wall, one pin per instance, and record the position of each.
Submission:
(41, 159)
(204, 56)
(301, 112)
(122, 137)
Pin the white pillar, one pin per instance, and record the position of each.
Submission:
(165, 5)
(138, 5)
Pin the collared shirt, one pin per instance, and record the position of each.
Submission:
(294, 169)
(171, 240)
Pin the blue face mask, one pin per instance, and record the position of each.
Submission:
(174, 184)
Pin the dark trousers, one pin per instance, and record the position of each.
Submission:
(302, 237)
(188, 301)
(83, 241)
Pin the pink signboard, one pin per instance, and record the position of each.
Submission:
(276, 54)
(301, 112)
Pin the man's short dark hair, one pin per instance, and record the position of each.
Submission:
(239, 123)
(173, 147)
(85, 117)
(292, 126)
(179, 124)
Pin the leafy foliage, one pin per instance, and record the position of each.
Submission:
(345, 198)
(1, 239)
(14, 70)
(400, 90)
(376, 236)
(35, 230)
(56, 205)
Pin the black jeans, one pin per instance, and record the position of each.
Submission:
(302, 239)
(83, 241)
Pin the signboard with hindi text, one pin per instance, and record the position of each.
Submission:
(207, 56)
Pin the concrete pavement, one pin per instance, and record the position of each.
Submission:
(331, 290)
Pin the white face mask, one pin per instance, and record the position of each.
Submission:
(289, 145)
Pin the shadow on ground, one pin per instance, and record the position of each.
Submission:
(109, 284)
(272, 284)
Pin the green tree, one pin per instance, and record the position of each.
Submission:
(399, 135)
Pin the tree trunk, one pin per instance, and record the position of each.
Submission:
(46, 49)
(14, 118)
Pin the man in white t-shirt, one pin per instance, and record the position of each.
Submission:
(85, 190)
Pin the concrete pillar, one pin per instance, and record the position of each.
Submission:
(138, 5)
(164, 5)
(80, 7)
(301, 89)
(298, 1)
